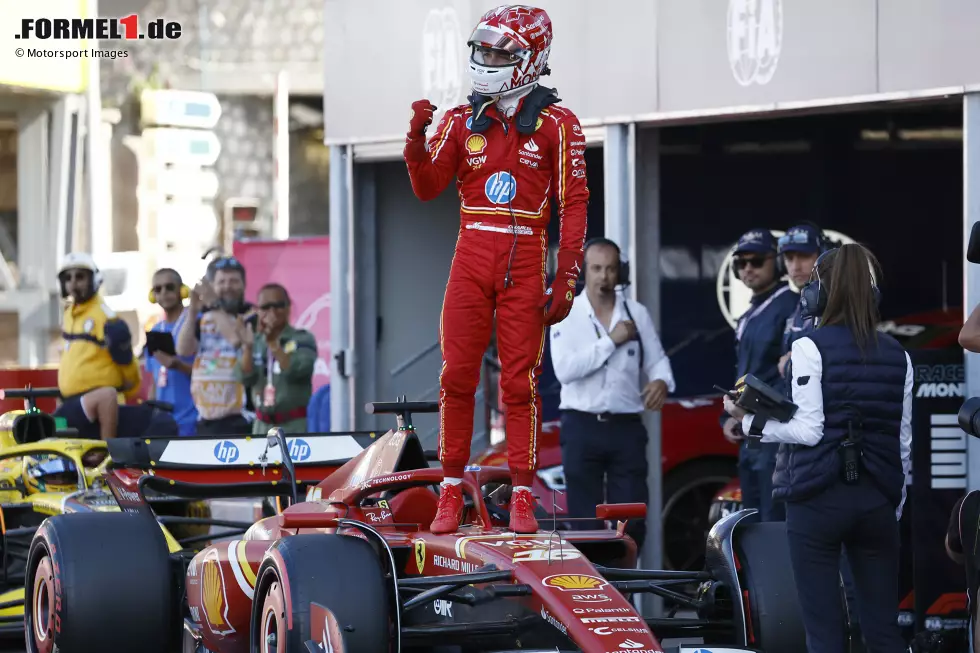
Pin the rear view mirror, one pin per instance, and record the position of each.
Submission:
(620, 511)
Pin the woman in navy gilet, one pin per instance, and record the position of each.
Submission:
(845, 455)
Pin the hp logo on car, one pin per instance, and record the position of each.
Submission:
(226, 452)
(299, 450)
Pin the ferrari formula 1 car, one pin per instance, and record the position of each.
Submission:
(352, 569)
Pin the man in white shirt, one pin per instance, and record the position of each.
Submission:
(601, 353)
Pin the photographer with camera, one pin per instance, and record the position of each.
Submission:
(845, 454)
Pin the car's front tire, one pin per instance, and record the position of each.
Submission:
(340, 572)
(98, 582)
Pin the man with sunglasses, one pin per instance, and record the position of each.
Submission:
(758, 346)
(172, 374)
(276, 364)
(217, 301)
(97, 362)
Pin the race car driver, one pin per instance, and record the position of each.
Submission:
(509, 149)
(97, 361)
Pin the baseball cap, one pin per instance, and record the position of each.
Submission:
(801, 238)
(757, 241)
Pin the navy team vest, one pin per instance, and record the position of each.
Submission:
(866, 393)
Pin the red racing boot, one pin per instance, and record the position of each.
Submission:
(449, 511)
(522, 512)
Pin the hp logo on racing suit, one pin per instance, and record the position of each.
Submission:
(226, 452)
(500, 188)
(299, 450)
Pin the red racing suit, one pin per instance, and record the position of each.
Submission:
(505, 180)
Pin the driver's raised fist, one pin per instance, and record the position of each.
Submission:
(421, 118)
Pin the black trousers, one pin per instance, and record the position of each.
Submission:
(604, 462)
(860, 518)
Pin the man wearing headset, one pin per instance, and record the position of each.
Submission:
(758, 346)
(172, 374)
(601, 354)
(97, 362)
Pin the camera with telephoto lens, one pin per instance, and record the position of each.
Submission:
(763, 401)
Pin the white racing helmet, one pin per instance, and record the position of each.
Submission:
(521, 38)
(79, 261)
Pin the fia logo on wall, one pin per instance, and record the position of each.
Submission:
(755, 39)
(443, 58)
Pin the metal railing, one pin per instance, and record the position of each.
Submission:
(484, 391)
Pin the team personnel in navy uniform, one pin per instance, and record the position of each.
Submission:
(601, 353)
(758, 345)
(799, 249)
(844, 468)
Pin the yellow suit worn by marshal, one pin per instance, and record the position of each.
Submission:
(86, 363)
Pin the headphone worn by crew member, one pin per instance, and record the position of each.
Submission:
(185, 292)
(623, 275)
(813, 296)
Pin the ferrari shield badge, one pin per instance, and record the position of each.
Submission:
(419, 554)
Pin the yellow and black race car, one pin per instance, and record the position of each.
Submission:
(45, 471)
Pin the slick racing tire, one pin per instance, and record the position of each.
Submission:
(340, 572)
(98, 582)
(773, 606)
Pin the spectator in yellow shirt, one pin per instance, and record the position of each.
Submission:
(97, 361)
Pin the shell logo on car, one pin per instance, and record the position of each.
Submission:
(574, 582)
(214, 598)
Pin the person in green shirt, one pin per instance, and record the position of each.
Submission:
(275, 364)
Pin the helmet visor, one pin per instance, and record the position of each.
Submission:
(491, 48)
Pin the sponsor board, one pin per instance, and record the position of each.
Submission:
(248, 451)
